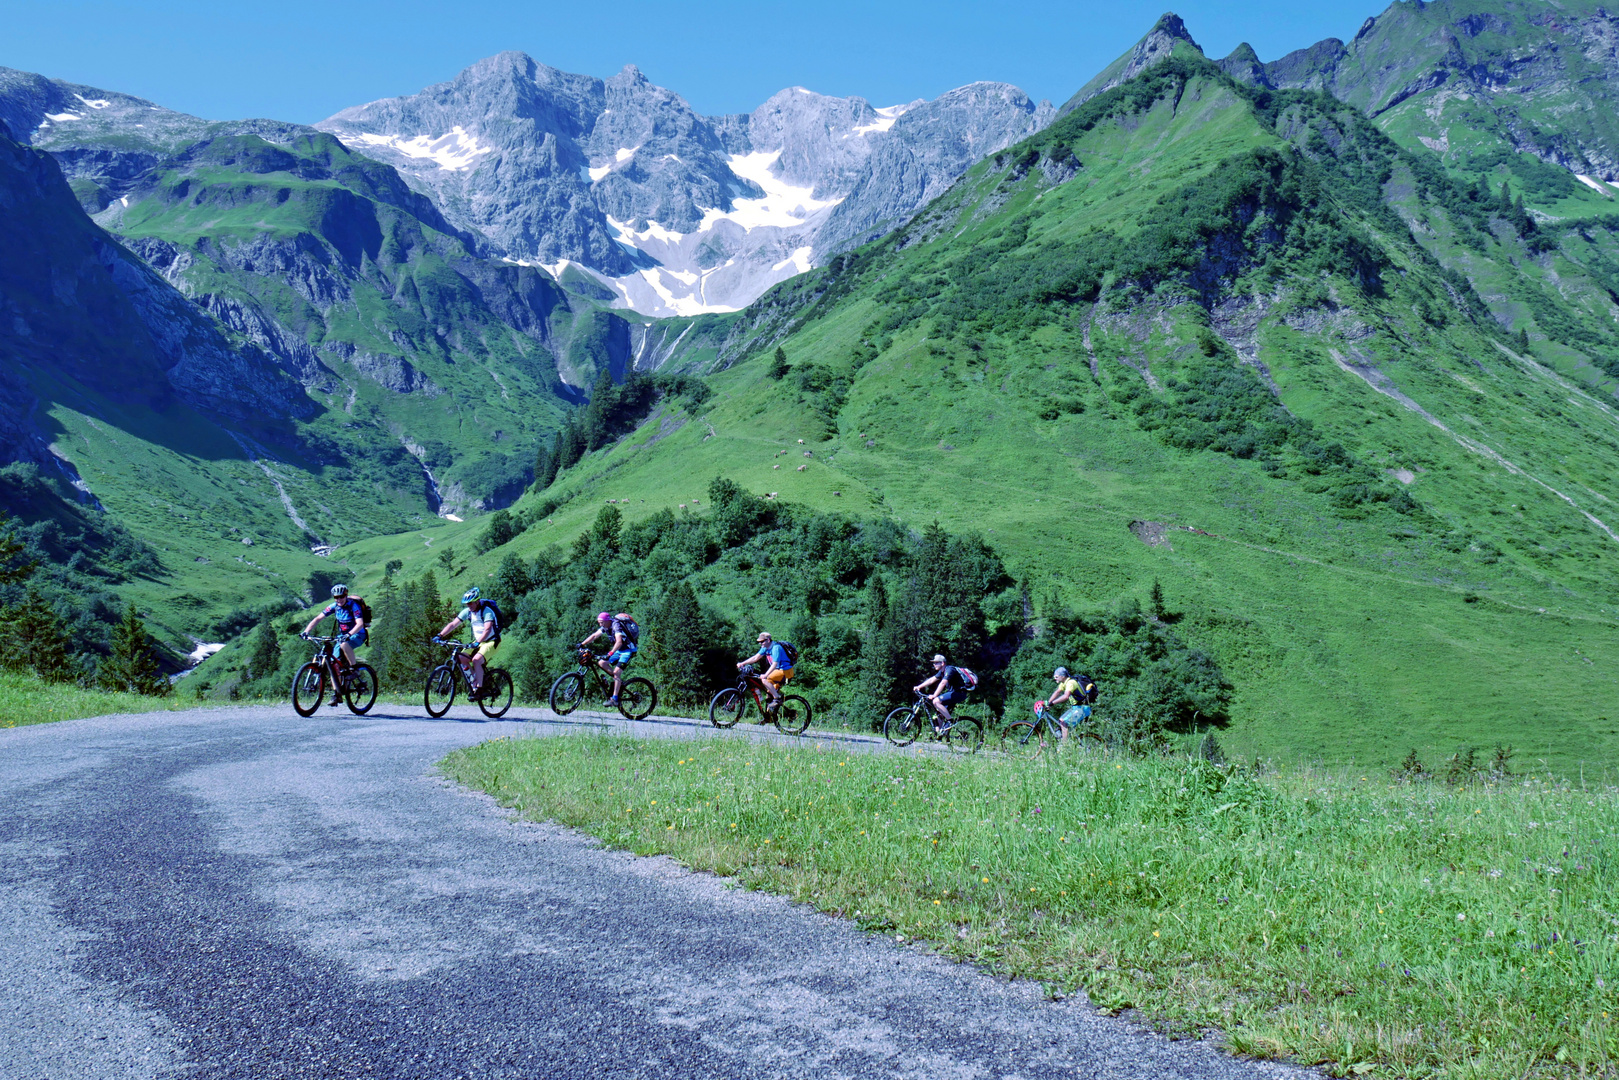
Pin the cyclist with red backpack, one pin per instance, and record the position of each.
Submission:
(626, 643)
(781, 659)
(352, 614)
(952, 681)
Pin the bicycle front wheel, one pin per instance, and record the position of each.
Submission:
(638, 698)
(902, 726)
(308, 688)
(793, 716)
(497, 693)
(362, 689)
(727, 707)
(964, 736)
(566, 693)
(439, 692)
(1022, 739)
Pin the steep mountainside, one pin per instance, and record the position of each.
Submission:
(674, 212)
(1501, 76)
(354, 283)
(1226, 339)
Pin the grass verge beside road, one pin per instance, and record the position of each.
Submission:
(1382, 927)
(26, 700)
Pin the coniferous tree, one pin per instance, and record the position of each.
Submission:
(34, 641)
(545, 468)
(265, 657)
(382, 635)
(878, 650)
(13, 567)
(778, 364)
(679, 643)
(131, 666)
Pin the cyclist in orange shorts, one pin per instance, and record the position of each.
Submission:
(780, 670)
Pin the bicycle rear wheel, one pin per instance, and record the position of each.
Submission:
(1087, 742)
(566, 693)
(793, 716)
(308, 688)
(1022, 739)
(727, 707)
(497, 693)
(438, 694)
(903, 725)
(964, 736)
(638, 698)
(361, 693)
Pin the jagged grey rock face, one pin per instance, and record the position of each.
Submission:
(673, 212)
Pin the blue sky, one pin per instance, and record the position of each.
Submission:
(301, 61)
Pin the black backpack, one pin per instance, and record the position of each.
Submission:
(365, 609)
(792, 652)
(1087, 690)
(631, 628)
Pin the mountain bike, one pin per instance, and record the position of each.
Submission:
(1026, 737)
(791, 717)
(439, 693)
(356, 685)
(636, 700)
(962, 734)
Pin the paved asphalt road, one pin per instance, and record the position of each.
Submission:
(241, 893)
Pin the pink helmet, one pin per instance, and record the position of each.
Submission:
(604, 617)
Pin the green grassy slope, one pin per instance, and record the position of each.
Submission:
(947, 374)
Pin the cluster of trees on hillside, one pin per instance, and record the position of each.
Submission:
(873, 601)
(613, 411)
(50, 628)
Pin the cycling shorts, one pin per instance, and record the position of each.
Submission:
(622, 656)
(948, 696)
(357, 637)
(778, 676)
(487, 648)
(1076, 715)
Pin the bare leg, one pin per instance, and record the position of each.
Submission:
(477, 673)
(618, 679)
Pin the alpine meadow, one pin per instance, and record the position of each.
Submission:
(1277, 396)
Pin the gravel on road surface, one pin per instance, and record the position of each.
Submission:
(237, 892)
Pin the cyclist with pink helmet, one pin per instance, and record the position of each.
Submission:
(626, 633)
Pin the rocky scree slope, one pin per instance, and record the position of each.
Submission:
(673, 212)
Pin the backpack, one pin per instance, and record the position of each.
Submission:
(969, 681)
(792, 652)
(365, 609)
(631, 628)
(1087, 690)
(502, 621)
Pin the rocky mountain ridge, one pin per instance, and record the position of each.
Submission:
(673, 212)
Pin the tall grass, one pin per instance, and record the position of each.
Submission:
(1375, 925)
(27, 700)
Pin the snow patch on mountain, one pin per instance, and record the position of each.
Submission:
(784, 205)
(453, 152)
(885, 120)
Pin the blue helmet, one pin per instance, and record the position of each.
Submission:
(470, 595)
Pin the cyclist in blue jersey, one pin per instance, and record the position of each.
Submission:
(350, 614)
(951, 686)
(780, 669)
(483, 616)
(626, 636)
